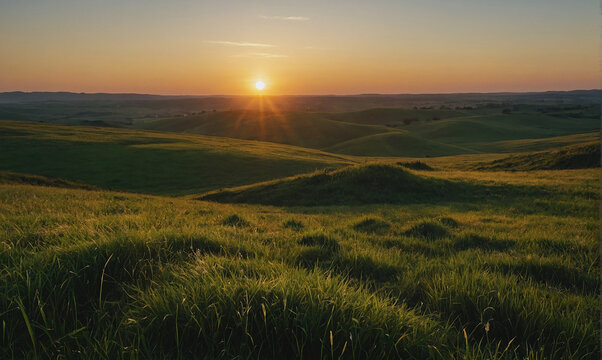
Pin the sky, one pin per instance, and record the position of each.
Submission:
(299, 47)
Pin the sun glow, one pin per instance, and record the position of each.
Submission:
(260, 85)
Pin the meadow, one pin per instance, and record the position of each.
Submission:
(130, 243)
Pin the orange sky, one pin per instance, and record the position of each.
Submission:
(191, 47)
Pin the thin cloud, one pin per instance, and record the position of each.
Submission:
(236, 43)
(262, 55)
(289, 18)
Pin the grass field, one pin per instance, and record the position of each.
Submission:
(100, 274)
(471, 236)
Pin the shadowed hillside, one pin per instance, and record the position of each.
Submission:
(7, 177)
(352, 185)
(368, 184)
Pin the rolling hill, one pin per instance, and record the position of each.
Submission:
(300, 129)
(387, 132)
(398, 143)
(581, 156)
(374, 183)
(366, 184)
(361, 125)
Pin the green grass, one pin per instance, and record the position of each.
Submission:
(302, 253)
(365, 184)
(383, 183)
(386, 132)
(580, 156)
(525, 145)
(415, 165)
(149, 162)
(7, 177)
(397, 143)
(99, 274)
(295, 128)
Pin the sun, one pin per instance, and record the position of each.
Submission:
(260, 85)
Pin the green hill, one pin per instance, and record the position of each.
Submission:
(579, 156)
(387, 132)
(525, 145)
(150, 162)
(360, 185)
(475, 130)
(396, 144)
(300, 129)
(396, 117)
(7, 177)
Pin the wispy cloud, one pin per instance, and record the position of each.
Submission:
(262, 55)
(236, 43)
(289, 18)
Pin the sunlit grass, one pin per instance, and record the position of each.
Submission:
(103, 274)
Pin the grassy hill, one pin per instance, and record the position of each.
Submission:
(398, 143)
(300, 129)
(7, 177)
(148, 162)
(482, 132)
(526, 145)
(366, 184)
(390, 132)
(396, 117)
(99, 274)
(581, 156)
(380, 183)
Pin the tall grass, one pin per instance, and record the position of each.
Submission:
(94, 274)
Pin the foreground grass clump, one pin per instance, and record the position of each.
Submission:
(293, 224)
(429, 230)
(321, 240)
(251, 303)
(98, 274)
(372, 225)
(235, 220)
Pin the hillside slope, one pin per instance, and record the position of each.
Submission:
(150, 162)
(387, 132)
(396, 144)
(375, 183)
(581, 156)
(481, 130)
(300, 129)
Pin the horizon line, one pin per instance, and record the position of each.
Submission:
(331, 94)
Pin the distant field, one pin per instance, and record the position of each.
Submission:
(391, 132)
(361, 125)
(300, 129)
